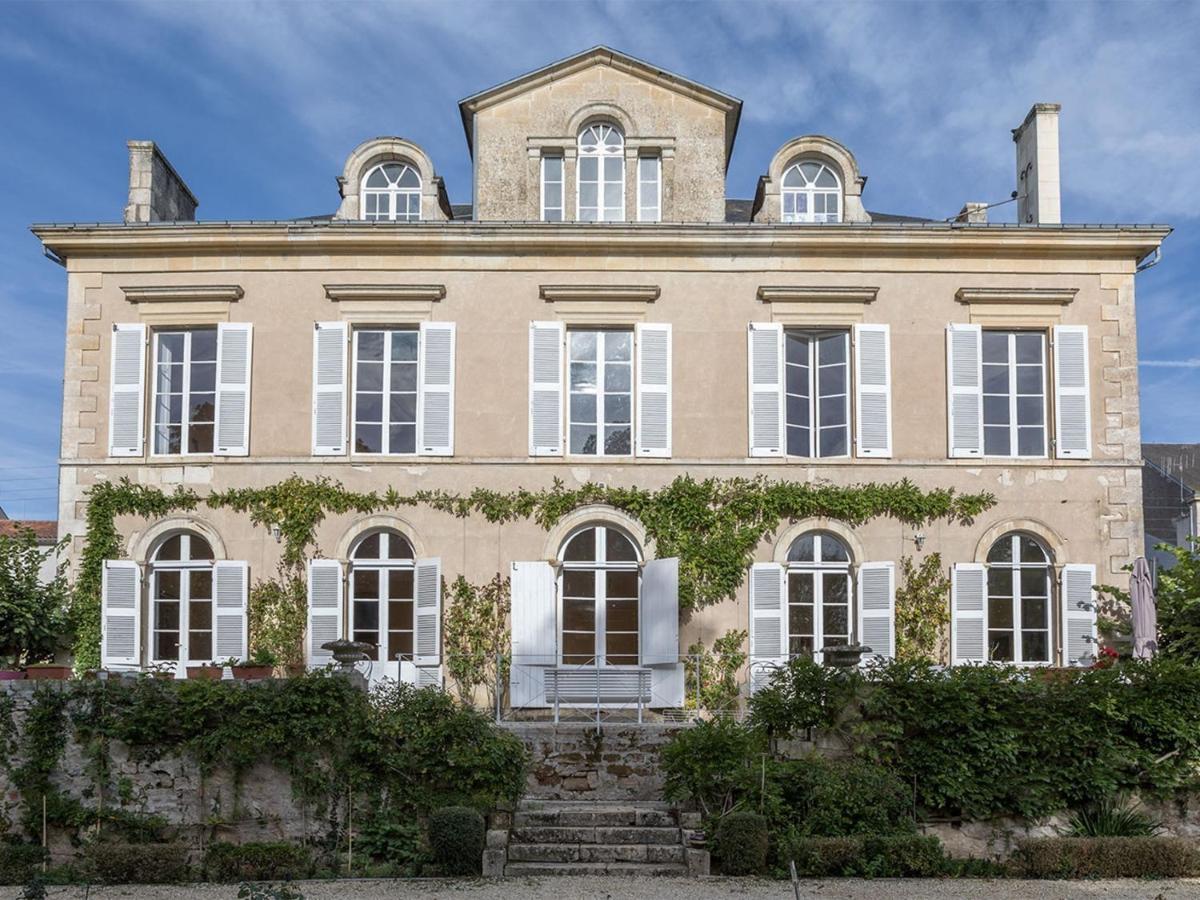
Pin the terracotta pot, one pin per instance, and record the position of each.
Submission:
(11, 675)
(41, 672)
(212, 673)
(252, 673)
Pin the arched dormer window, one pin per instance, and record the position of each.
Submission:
(391, 192)
(812, 192)
(601, 192)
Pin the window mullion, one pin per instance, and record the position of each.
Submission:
(185, 414)
(385, 410)
(814, 445)
(818, 593)
(1013, 430)
(601, 379)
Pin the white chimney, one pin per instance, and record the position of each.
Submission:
(1038, 186)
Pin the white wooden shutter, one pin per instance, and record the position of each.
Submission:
(325, 588)
(877, 609)
(427, 613)
(429, 676)
(964, 382)
(546, 342)
(329, 389)
(1079, 615)
(231, 585)
(873, 383)
(659, 619)
(435, 402)
(233, 389)
(768, 622)
(968, 613)
(765, 342)
(126, 408)
(653, 390)
(534, 632)
(121, 615)
(1072, 397)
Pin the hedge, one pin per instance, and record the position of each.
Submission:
(741, 844)
(118, 863)
(879, 856)
(257, 861)
(1107, 857)
(456, 836)
(18, 862)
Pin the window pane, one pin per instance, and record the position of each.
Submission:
(1031, 550)
(583, 345)
(832, 380)
(1029, 348)
(622, 649)
(800, 587)
(1001, 645)
(366, 583)
(400, 615)
(200, 584)
(831, 349)
(366, 616)
(621, 615)
(170, 346)
(617, 440)
(583, 407)
(168, 585)
(1029, 411)
(368, 547)
(552, 167)
(583, 440)
(613, 171)
(400, 585)
(1000, 582)
(618, 346)
(576, 583)
(996, 441)
(995, 347)
(368, 439)
(170, 548)
(198, 548)
(612, 195)
(200, 645)
(798, 440)
(204, 377)
(800, 619)
(204, 345)
(370, 345)
(402, 439)
(579, 649)
(404, 346)
(166, 615)
(1030, 441)
(1035, 646)
(618, 548)
(835, 587)
(1034, 583)
(834, 441)
(616, 408)
(1000, 612)
(588, 195)
(1030, 380)
(800, 646)
(995, 379)
(837, 620)
(369, 407)
(200, 615)
(995, 410)
(553, 198)
(201, 408)
(400, 645)
(369, 377)
(801, 549)
(166, 645)
(403, 408)
(583, 376)
(1001, 550)
(1033, 612)
(616, 377)
(832, 550)
(578, 615)
(621, 585)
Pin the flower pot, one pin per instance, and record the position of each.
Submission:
(211, 673)
(252, 673)
(11, 675)
(44, 672)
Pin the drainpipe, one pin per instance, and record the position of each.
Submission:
(1154, 257)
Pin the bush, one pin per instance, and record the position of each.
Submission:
(136, 863)
(1112, 818)
(256, 861)
(19, 862)
(1107, 857)
(741, 844)
(456, 836)
(835, 797)
(394, 843)
(885, 856)
(712, 764)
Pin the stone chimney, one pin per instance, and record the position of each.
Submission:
(1038, 186)
(973, 214)
(156, 192)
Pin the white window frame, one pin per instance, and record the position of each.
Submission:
(599, 565)
(385, 564)
(187, 391)
(1013, 432)
(600, 152)
(813, 334)
(392, 193)
(1018, 626)
(817, 569)
(185, 566)
(601, 365)
(561, 209)
(810, 192)
(385, 412)
(643, 184)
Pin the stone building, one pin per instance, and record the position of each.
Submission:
(602, 312)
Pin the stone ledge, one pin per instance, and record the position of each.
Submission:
(556, 293)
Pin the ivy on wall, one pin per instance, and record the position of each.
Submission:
(713, 525)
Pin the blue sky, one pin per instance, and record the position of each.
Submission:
(257, 105)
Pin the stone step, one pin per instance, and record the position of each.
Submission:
(526, 869)
(583, 815)
(597, 853)
(600, 834)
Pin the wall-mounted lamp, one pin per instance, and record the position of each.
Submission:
(276, 532)
(919, 540)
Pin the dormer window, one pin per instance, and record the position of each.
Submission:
(812, 192)
(391, 192)
(601, 174)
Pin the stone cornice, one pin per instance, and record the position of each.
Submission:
(637, 293)
(219, 293)
(987, 295)
(384, 292)
(771, 293)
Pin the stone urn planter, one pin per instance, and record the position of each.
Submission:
(844, 656)
(347, 653)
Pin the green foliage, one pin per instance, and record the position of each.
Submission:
(33, 616)
(1112, 817)
(740, 846)
(278, 615)
(715, 671)
(475, 636)
(1107, 857)
(256, 861)
(715, 764)
(20, 862)
(859, 856)
(922, 609)
(113, 863)
(456, 836)
(1178, 601)
(838, 797)
(250, 891)
(399, 842)
(804, 694)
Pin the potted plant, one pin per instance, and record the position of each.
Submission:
(33, 612)
(210, 671)
(260, 665)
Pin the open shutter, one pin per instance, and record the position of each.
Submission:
(534, 632)
(660, 612)
(653, 390)
(877, 609)
(231, 585)
(968, 614)
(126, 418)
(964, 380)
(435, 404)
(546, 341)
(427, 616)
(1079, 615)
(233, 389)
(1072, 397)
(324, 608)
(329, 389)
(766, 389)
(768, 631)
(873, 381)
(121, 615)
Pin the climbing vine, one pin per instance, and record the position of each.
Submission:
(922, 609)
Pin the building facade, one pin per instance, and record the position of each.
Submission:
(603, 313)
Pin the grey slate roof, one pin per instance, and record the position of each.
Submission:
(1181, 461)
(1170, 480)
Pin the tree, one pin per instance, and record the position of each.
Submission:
(922, 609)
(714, 672)
(476, 634)
(33, 615)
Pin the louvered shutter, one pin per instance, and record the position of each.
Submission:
(231, 584)
(1072, 396)
(873, 382)
(546, 341)
(1079, 615)
(435, 413)
(427, 613)
(534, 632)
(429, 676)
(325, 587)
(768, 622)
(765, 341)
(968, 614)
(653, 390)
(329, 389)
(233, 389)
(659, 619)
(877, 609)
(121, 615)
(126, 409)
(964, 380)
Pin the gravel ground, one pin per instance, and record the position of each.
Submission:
(602, 888)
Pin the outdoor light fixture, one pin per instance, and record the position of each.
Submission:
(276, 532)
(919, 540)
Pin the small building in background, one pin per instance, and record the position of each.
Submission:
(1170, 497)
(47, 536)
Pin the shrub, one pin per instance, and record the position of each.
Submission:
(1112, 818)
(398, 844)
(256, 861)
(883, 856)
(456, 836)
(19, 862)
(838, 797)
(741, 844)
(802, 695)
(136, 863)
(33, 613)
(712, 764)
(1107, 857)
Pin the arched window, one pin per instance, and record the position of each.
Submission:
(391, 192)
(601, 178)
(600, 585)
(812, 192)
(381, 594)
(1018, 573)
(181, 600)
(818, 592)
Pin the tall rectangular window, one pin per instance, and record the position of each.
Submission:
(185, 382)
(385, 390)
(552, 188)
(649, 189)
(600, 369)
(818, 392)
(1014, 393)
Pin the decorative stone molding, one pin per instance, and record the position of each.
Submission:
(144, 543)
(435, 204)
(385, 303)
(1000, 306)
(599, 304)
(375, 523)
(858, 554)
(1053, 541)
(767, 205)
(186, 304)
(817, 306)
(596, 514)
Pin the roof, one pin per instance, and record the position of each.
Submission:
(601, 55)
(1180, 461)
(743, 211)
(46, 530)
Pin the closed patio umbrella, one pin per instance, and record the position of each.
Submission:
(1145, 614)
